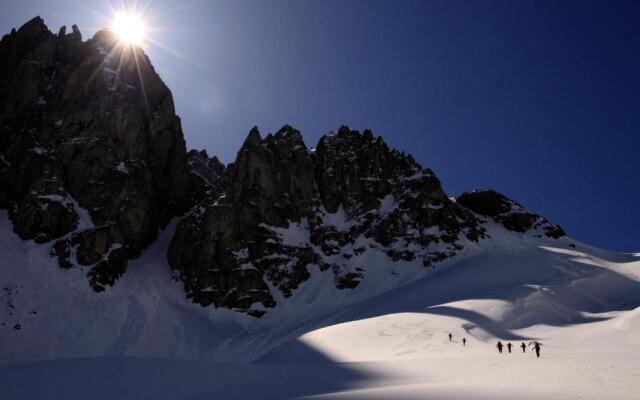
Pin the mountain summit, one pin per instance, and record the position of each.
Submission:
(93, 155)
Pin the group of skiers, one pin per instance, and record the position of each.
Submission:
(535, 344)
(464, 340)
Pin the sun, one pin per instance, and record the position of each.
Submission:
(129, 28)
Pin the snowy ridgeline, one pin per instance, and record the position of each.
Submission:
(385, 339)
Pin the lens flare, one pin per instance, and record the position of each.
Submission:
(129, 28)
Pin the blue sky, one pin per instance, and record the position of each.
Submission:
(537, 99)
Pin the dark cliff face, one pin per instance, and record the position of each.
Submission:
(216, 245)
(205, 179)
(93, 154)
(284, 209)
(281, 211)
(508, 213)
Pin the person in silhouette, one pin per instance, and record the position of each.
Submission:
(499, 346)
(524, 347)
(450, 337)
(509, 346)
(536, 346)
(464, 341)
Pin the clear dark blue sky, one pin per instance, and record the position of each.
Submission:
(537, 99)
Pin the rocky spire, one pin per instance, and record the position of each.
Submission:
(34, 27)
(94, 162)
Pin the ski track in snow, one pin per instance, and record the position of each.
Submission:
(143, 339)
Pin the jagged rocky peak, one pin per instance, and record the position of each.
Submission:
(33, 30)
(286, 211)
(270, 183)
(93, 155)
(513, 216)
(355, 170)
(208, 168)
(272, 178)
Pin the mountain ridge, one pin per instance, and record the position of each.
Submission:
(95, 164)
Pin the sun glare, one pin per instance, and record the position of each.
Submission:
(129, 28)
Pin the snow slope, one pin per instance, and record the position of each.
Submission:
(142, 339)
(412, 358)
(59, 315)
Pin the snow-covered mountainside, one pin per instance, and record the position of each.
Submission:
(372, 342)
(93, 165)
(343, 266)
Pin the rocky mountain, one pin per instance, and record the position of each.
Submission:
(512, 215)
(283, 210)
(93, 163)
(93, 155)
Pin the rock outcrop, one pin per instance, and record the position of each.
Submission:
(285, 210)
(510, 214)
(92, 153)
